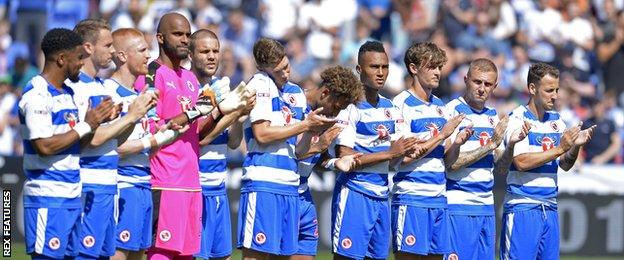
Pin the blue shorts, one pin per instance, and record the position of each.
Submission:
(360, 225)
(52, 232)
(216, 236)
(134, 223)
(268, 222)
(472, 237)
(420, 230)
(308, 225)
(530, 234)
(97, 231)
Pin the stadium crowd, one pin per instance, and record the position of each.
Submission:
(582, 38)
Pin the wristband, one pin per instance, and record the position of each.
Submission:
(82, 129)
(147, 142)
(330, 164)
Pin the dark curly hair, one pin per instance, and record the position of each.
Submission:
(538, 70)
(57, 40)
(342, 83)
(268, 53)
(424, 54)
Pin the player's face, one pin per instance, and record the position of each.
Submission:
(281, 72)
(138, 56)
(103, 49)
(321, 97)
(373, 69)
(205, 56)
(429, 76)
(175, 39)
(479, 86)
(546, 92)
(73, 61)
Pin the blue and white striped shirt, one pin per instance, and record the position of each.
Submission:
(213, 165)
(469, 190)
(133, 169)
(98, 165)
(422, 182)
(51, 181)
(538, 185)
(272, 167)
(369, 129)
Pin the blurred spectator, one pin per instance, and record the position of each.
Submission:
(321, 21)
(301, 64)
(22, 72)
(503, 17)
(30, 23)
(208, 16)
(479, 36)
(605, 143)
(280, 18)
(7, 102)
(538, 30)
(376, 16)
(611, 52)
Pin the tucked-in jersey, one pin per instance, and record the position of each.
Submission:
(538, 185)
(51, 181)
(133, 168)
(422, 182)
(469, 190)
(98, 165)
(369, 129)
(175, 166)
(272, 167)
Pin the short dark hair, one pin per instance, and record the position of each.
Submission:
(57, 40)
(89, 29)
(370, 46)
(424, 54)
(342, 83)
(200, 33)
(538, 70)
(268, 52)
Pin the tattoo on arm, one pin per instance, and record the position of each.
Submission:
(502, 160)
(467, 158)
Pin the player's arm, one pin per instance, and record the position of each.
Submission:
(531, 160)
(455, 160)
(136, 110)
(567, 159)
(429, 145)
(504, 156)
(398, 149)
(37, 114)
(229, 120)
(306, 148)
(265, 133)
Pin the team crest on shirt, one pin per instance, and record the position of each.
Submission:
(484, 138)
(346, 243)
(554, 126)
(439, 110)
(410, 240)
(164, 235)
(316, 233)
(292, 100)
(434, 130)
(287, 113)
(382, 132)
(88, 241)
(387, 113)
(453, 256)
(547, 143)
(260, 238)
(185, 103)
(124, 236)
(314, 140)
(144, 123)
(70, 118)
(190, 86)
(54, 243)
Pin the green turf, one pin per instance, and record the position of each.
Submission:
(19, 253)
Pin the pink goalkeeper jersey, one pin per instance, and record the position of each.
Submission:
(175, 166)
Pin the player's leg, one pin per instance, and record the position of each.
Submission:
(221, 246)
(308, 229)
(121, 254)
(465, 235)
(520, 234)
(549, 243)
(380, 239)
(145, 225)
(130, 222)
(49, 232)
(174, 231)
(408, 224)
(97, 229)
(353, 216)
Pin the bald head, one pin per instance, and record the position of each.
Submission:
(173, 36)
(126, 37)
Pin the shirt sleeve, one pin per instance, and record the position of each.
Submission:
(347, 118)
(263, 110)
(37, 114)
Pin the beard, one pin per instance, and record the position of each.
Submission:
(177, 52)
(73, 77)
